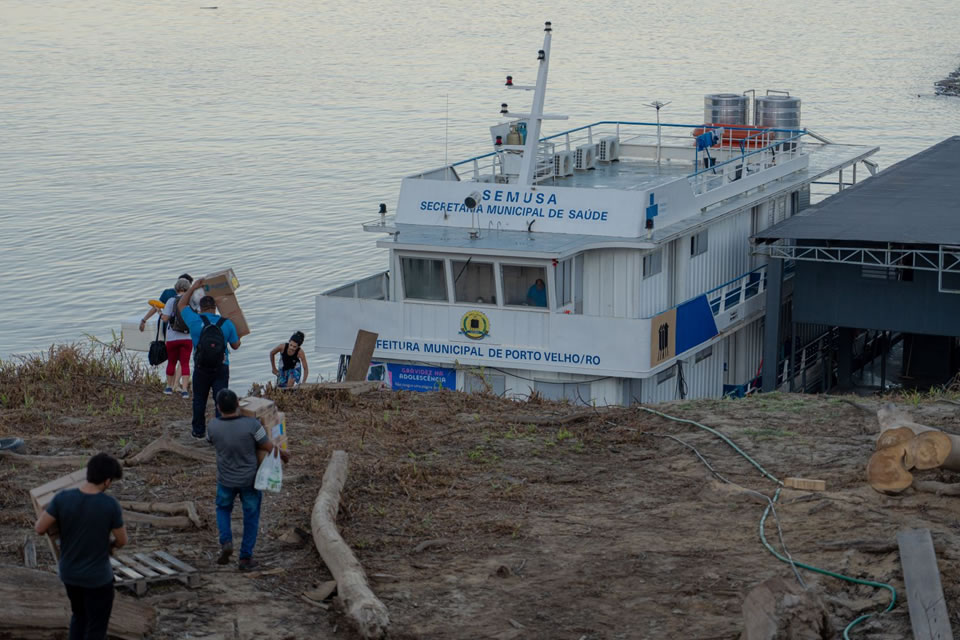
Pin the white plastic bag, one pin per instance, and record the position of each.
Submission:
(270, 473)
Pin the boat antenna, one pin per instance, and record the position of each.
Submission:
(657, 104)
(446, 141)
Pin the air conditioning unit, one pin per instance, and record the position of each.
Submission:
(586, 157)
(563, 163)
(608, 149)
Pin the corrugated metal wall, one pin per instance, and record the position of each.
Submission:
(744, 353)
(727, 256)
(613, 285)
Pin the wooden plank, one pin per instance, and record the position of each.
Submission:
(928, 609)
(128, 572)
(145, 559)
(136, 566)
(362, 354)
(806, 484)
(56, 485)
(169, 559)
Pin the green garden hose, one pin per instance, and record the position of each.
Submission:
(766, 512)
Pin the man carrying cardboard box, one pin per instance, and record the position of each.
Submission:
(211, 364)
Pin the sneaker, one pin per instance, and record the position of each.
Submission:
(184, 394)
(198, 436)
(226, 550)
(246, 564)
(168, 391)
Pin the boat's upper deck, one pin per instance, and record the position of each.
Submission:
(640, 189)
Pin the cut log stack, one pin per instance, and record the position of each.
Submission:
(904, 445)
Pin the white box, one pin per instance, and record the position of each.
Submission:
(133, 339)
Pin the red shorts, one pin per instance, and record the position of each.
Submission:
(179, 350)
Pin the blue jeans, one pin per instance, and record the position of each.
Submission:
(250, 501)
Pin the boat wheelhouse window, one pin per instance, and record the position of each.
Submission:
(564, 279)
(424, 279)
(666, 374)
(698, 243)
(473, 282)
(652, 263)
(524, 286)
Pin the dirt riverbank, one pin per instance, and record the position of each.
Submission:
(544, 520)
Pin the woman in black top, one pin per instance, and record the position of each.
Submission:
(293, 362)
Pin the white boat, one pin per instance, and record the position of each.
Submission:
(639, 232)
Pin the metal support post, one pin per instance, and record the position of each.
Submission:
(771, 325)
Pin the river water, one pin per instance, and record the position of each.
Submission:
(142, 139)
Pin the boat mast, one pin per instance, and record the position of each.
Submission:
(530, 148)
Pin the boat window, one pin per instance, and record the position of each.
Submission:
(485, 382)
(564, 273)
(573, 392)
(424, 279)
(473, 282)
(525, 286)
(698, 243)
(652, 263)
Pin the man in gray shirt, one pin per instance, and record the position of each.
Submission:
(237, 439)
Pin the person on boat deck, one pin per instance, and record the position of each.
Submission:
(207, 377)
(179, 345)
(237, 439)
(86, 518)
(293, 362)
(537, 294)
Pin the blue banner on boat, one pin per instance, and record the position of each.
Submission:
(695, 323)
(413, 377)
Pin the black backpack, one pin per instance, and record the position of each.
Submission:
(212, 345)
(177, 322)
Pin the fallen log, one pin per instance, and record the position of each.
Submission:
(891, 417)
(168, 522)
(892, 437)
(77, 462)
(886, 472)
(35, 605)
(187, 508)
(165, 444)
(939, 488)
(361, 605)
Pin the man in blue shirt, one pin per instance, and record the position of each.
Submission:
(537, 294)
(207, 375)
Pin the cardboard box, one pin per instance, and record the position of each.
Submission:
(133, 338)
(239, 322)
(228, 304)
(220, 283)
(259, 408)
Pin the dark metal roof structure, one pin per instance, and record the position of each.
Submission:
(915, 201)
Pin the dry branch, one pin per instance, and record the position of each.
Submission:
(163, 444)
(35, 605)
(187, 508)
(939, 488)
(360, 604)
(77, 462)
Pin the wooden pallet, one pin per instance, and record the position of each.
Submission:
(138, 570)
(42, 495)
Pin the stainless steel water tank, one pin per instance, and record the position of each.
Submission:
(725, 108)
(777, 112)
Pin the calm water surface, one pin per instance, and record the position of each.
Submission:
(142, 139)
